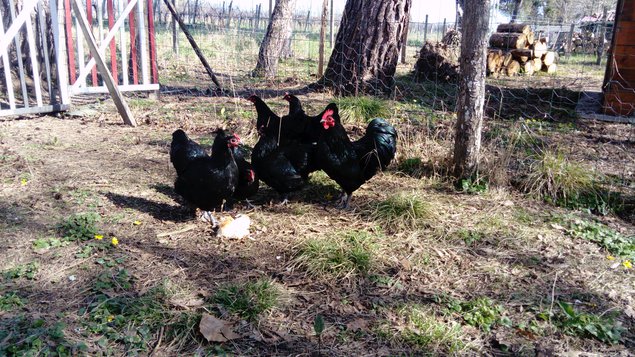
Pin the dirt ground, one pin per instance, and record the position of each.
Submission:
(511, 248)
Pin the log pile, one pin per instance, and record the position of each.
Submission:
(514, 49)
(440, 61)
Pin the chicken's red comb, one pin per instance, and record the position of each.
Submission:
(236, 136)
(328, 113)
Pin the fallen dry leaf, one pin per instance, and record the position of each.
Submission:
(357, 324)
(187, 302)
(216, 330)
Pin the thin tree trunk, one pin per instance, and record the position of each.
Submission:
(367, 46)
(471, 98)
(278, 31)
(517, 6)
(325, 9)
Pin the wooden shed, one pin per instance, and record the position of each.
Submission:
(619, 80)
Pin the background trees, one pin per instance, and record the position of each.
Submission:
(272, 46)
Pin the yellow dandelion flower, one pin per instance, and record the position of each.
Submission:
(114, 241)
(136, 223)
(610, 257)
(110, 318)
(23, 182)
(627, 264)
(99, 236)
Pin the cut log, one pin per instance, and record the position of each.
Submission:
(548, 58)
(528, 68)
(521, 55)
(518, 28)
(508, 40)
(507, 58)
(512, 68)
(540, 48)
(530, 37)
(537, 63)
(551, 69)
(494, 61)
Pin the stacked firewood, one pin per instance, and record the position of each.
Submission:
(514, 49)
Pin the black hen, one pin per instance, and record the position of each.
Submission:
(208, 181)
(183, 150)
(265, 114)
(351, 164)
(248, 181)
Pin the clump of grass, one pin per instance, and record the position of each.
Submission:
(361, 109)
(428, 333)
(412, 167)
(556, 179)
(346, 254)
(250, 299)
(10, 301)
(403, 211)
(79, 226)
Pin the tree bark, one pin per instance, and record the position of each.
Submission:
(367, 46)
(278, 31)
(471, 97)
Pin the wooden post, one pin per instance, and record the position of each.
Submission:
(325, 9)
(113, 46)
(26, 11)
(569, 40)
(257, 24)
(153, 47)
(306, 23)
(133, 48)
(404, 46)
(331, 25)
(7, 70)
(89, 14)
(122, 107)
(270, 9)
(175, 34)
(229, 14)
(601, 37)
(443, 31)
(425, 31)
(193, 43)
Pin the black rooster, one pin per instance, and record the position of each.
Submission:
(351, 164)
(183, 150)
(265, 114)
(207, 181)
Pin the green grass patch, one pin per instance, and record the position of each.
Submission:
(481, 312)
(361, 109)
(607, 238)
(28, 271)
(10, 301)
(345, 254)
(25, 336)
(582, 324)
(248, 300)
(79, 226)
(403, 210)
(412, 167)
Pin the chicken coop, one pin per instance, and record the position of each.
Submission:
(619, 80)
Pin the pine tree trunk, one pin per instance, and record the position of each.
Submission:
(367, 46)
(278, 31)
(471, 97)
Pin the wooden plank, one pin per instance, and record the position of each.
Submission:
(120, 103)
(113, 45)
(37, 81)
(45, 49)
(153, 47)
(89, 16)
(122, 88)
(105, 42)
(18, 48)
(80, 51)
(145, 73)
(133, 48)
(35, 110)
(7, 70)
(59, 37)
(122, 44)
(70, 50)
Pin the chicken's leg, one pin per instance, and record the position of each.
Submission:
(342, 201)
(207, 216)
(285, 199)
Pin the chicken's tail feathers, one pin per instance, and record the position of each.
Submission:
(384, 141)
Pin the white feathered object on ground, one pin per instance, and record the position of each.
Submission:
(234, 228)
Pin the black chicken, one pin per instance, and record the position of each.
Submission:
(248, 181)
(183, 150)
(265, 114)
(209, 180)
(351, 164)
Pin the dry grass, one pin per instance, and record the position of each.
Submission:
(409, 238)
